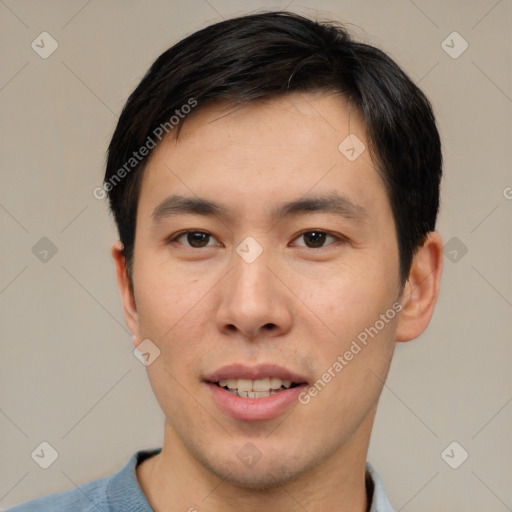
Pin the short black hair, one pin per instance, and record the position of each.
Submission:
(265, 55)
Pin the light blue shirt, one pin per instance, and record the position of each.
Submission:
(121, 492)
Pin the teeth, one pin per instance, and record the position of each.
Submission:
(275, 383)
(261, 385)
(255, 394)
(255, 387)
(244, 385)
(252, 394)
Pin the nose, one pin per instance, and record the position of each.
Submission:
(254, 302)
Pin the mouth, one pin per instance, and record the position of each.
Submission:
(254, 393)
(258, 388)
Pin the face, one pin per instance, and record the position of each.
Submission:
(264, 255)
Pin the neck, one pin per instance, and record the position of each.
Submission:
(175, 481)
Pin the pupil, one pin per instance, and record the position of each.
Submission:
(317, 238)
(196, 239)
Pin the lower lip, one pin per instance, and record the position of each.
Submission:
(254, 409)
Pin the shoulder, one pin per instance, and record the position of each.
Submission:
(88, 497)
(117, 492)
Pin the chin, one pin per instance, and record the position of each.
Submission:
(262, 478)
(270, 472)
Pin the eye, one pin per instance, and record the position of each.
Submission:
(194, 239)
(315, 239)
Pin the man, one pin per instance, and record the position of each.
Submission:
(276, 188)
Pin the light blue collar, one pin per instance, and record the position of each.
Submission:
(380, 502)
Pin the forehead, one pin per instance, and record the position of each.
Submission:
(254, 155)
(278, 124)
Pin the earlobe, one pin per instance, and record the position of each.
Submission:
(421, 290)
(125, 288)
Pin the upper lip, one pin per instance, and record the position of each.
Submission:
(261, 371)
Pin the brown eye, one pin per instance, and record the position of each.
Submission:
(316, 239)
(197, 239)
(194, 239)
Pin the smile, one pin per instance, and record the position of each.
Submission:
(259, 388)
(254, 393)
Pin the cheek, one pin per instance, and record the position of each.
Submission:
(358, 345)
(168, 299)
(349, 297)
(354, 356)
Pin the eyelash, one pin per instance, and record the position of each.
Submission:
(338, 238)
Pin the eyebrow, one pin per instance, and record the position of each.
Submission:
(332, 203)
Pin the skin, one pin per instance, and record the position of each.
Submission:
(296, 305)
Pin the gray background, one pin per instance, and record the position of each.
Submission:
(68, 375)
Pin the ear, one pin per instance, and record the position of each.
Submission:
(421, 290)
(125, 288)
